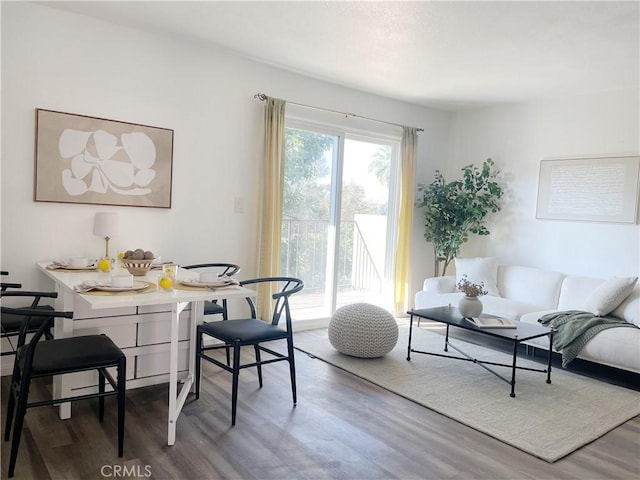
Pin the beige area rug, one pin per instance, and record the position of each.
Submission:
(548, 421)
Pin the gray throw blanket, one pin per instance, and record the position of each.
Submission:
(574, 328)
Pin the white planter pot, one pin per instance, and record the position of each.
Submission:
(470, 306)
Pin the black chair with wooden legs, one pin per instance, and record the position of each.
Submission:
(56, 357)
(237, 333)
(5, 285)
(10, 324)
(222, 269)
(212, 307)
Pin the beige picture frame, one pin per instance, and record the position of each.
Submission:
(92, 160)
(599, 189)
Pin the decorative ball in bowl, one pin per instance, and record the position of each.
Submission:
(138, 262)
(137, 267)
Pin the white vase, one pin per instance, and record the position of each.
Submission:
(470, 306)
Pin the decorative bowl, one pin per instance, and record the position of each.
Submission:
(137, 267)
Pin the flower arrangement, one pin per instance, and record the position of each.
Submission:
(471, 289)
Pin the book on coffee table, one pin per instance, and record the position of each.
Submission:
(492, 322)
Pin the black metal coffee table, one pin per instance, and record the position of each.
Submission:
(451, 316)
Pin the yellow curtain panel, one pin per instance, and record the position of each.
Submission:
(271, 198)
(408, 153)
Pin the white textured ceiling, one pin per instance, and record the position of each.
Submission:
(447, 54)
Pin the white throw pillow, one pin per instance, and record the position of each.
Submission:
(606, 298)
(480, 269)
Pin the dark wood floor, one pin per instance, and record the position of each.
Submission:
(342, 428)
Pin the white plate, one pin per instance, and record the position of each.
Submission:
(136, 287)
(194, 282)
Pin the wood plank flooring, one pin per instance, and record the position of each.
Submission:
(342, 428)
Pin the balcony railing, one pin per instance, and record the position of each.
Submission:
(304, 255)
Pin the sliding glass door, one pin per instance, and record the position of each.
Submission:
(310, 169)
(338, 206)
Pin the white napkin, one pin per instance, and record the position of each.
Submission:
(227, 280)
(62, 264)
(58, 264)
(89, 285)
(222, 281)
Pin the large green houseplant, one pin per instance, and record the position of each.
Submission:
(454, 210)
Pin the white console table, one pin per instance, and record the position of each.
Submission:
(146, 326)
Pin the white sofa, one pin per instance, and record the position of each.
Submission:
(526, 293)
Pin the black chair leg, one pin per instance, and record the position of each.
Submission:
(225, 314)
(101, 384)
(121, 383)
(12, 401)
(15, 442)
(256, 348)
(21, 409)
(198, 362)
(292, 370)
(234, 387)
(11, 404)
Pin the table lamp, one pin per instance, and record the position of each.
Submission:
(105, 224)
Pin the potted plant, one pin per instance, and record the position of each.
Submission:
(470, 305)
(454, 210)
(469, 288)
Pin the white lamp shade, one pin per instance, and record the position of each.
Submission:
(105, 224)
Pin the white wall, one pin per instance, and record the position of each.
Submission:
(517, 138)
(60, 61)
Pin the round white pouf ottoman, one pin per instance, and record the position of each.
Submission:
(363, 330)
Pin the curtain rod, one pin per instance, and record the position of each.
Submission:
(263, 97)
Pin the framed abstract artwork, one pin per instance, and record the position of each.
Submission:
(603, 189)
(82, 159)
